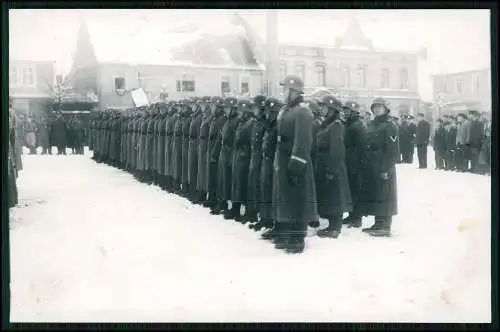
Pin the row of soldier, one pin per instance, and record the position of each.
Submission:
(287, 164)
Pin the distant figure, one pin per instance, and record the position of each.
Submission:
(463, 139)
(58, 134)
(43, 134)
(78, 134)
(30, 132)
(439, 145)
(476, 138)
(423, 135)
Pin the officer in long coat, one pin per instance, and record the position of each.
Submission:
(186, 125)
(355, 161)
(422, 139)
(451, 142)
(439, 144)
(201, 176)
(381, 182)
(176, 156)
(332, 186)
(59, 130)
(406, 140)
(223, 149)
(317, 107)
(194, 141)
(475, 139)
(269, 142)
(241, 160)
(213, 149)
(397, 121)
(169, 144)
(294, 190)
(258, 127)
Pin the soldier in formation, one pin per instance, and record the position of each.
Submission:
(14, 163)
(275, 166)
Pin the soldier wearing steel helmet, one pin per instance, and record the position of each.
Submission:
(169, 143)
(356, 150)
(294, 193)
(258, 127)
(186, 126)
(332, 185)
(201, 176)
(223, 150)
(269, 142)
(241, 161)
(176, 156)
(194, 133)
(381, 182)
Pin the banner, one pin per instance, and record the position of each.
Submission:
(139, 97)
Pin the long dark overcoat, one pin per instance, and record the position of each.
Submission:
(241, 160)
(59, 132)
(186, 126)
(201, 180)
(253, 193)
(294, 203)
(382, 149)
(332, 185)
(269, 141)
(225, 165)
(160, 156)
(356, 149)
(176, 162)
(169, 142)
(43, 135)
(213, 151)
(194, 141)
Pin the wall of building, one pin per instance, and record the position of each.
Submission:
(152, 78)
(446, 88)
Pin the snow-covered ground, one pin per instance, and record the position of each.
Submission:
(90, 243)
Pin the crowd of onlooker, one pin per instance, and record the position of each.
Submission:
(54, 131)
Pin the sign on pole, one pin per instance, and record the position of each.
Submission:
(140, 98)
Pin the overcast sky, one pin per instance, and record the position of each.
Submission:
(456, 40)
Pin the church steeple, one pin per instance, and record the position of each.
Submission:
(84, 56)
(354, 36)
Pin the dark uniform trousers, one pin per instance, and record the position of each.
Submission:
(422, 155)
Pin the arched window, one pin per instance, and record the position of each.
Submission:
(385, 79)
(283, 71)
(321, 74)
(345, 76)
(404, 78)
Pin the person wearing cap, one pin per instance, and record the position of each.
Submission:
(475, 139)
(223, 150)
(213, 150)
(241, 161)
(463, 139)
(332, 186)
(59, 130)
(484, 160)
(422, 136)
(356, 150)
(407, 139)
(269, 143)
(194, 133)
(257, 134)
(381, 182)
(293, 180)
(439, 144)
(169, 145)
(201, 175)
(451, 143)
(186, 125)
(160, 156)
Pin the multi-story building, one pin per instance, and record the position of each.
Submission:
(230, 59)
(31, 85)
(455, 92)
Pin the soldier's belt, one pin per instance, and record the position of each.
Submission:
(283, 139)
(193, 137)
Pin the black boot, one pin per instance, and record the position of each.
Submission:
(377, 225)
(314, 223)
(296, 243)
(355, 220)
(219, 208)
(333, 229)
(234, 212)
(271, 233)
(385, 227)
(283, 238)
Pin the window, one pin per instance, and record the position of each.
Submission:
(320, 53)
(385, 80)
(23, 75)
(244, 85)
(321, 74)
(403, 79)
(283, 71)
(345, 76)
(300, 71)
(119, 83)
(361, 76)
(459, 86)
(476, 84)
(225, 86)
(186, 84)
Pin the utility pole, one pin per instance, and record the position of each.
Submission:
(272, 53)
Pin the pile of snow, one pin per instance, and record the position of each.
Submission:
(90, 243)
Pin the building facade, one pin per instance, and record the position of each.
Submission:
(456, 92)
(31, 85)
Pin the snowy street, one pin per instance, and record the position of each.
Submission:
(90, 243)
